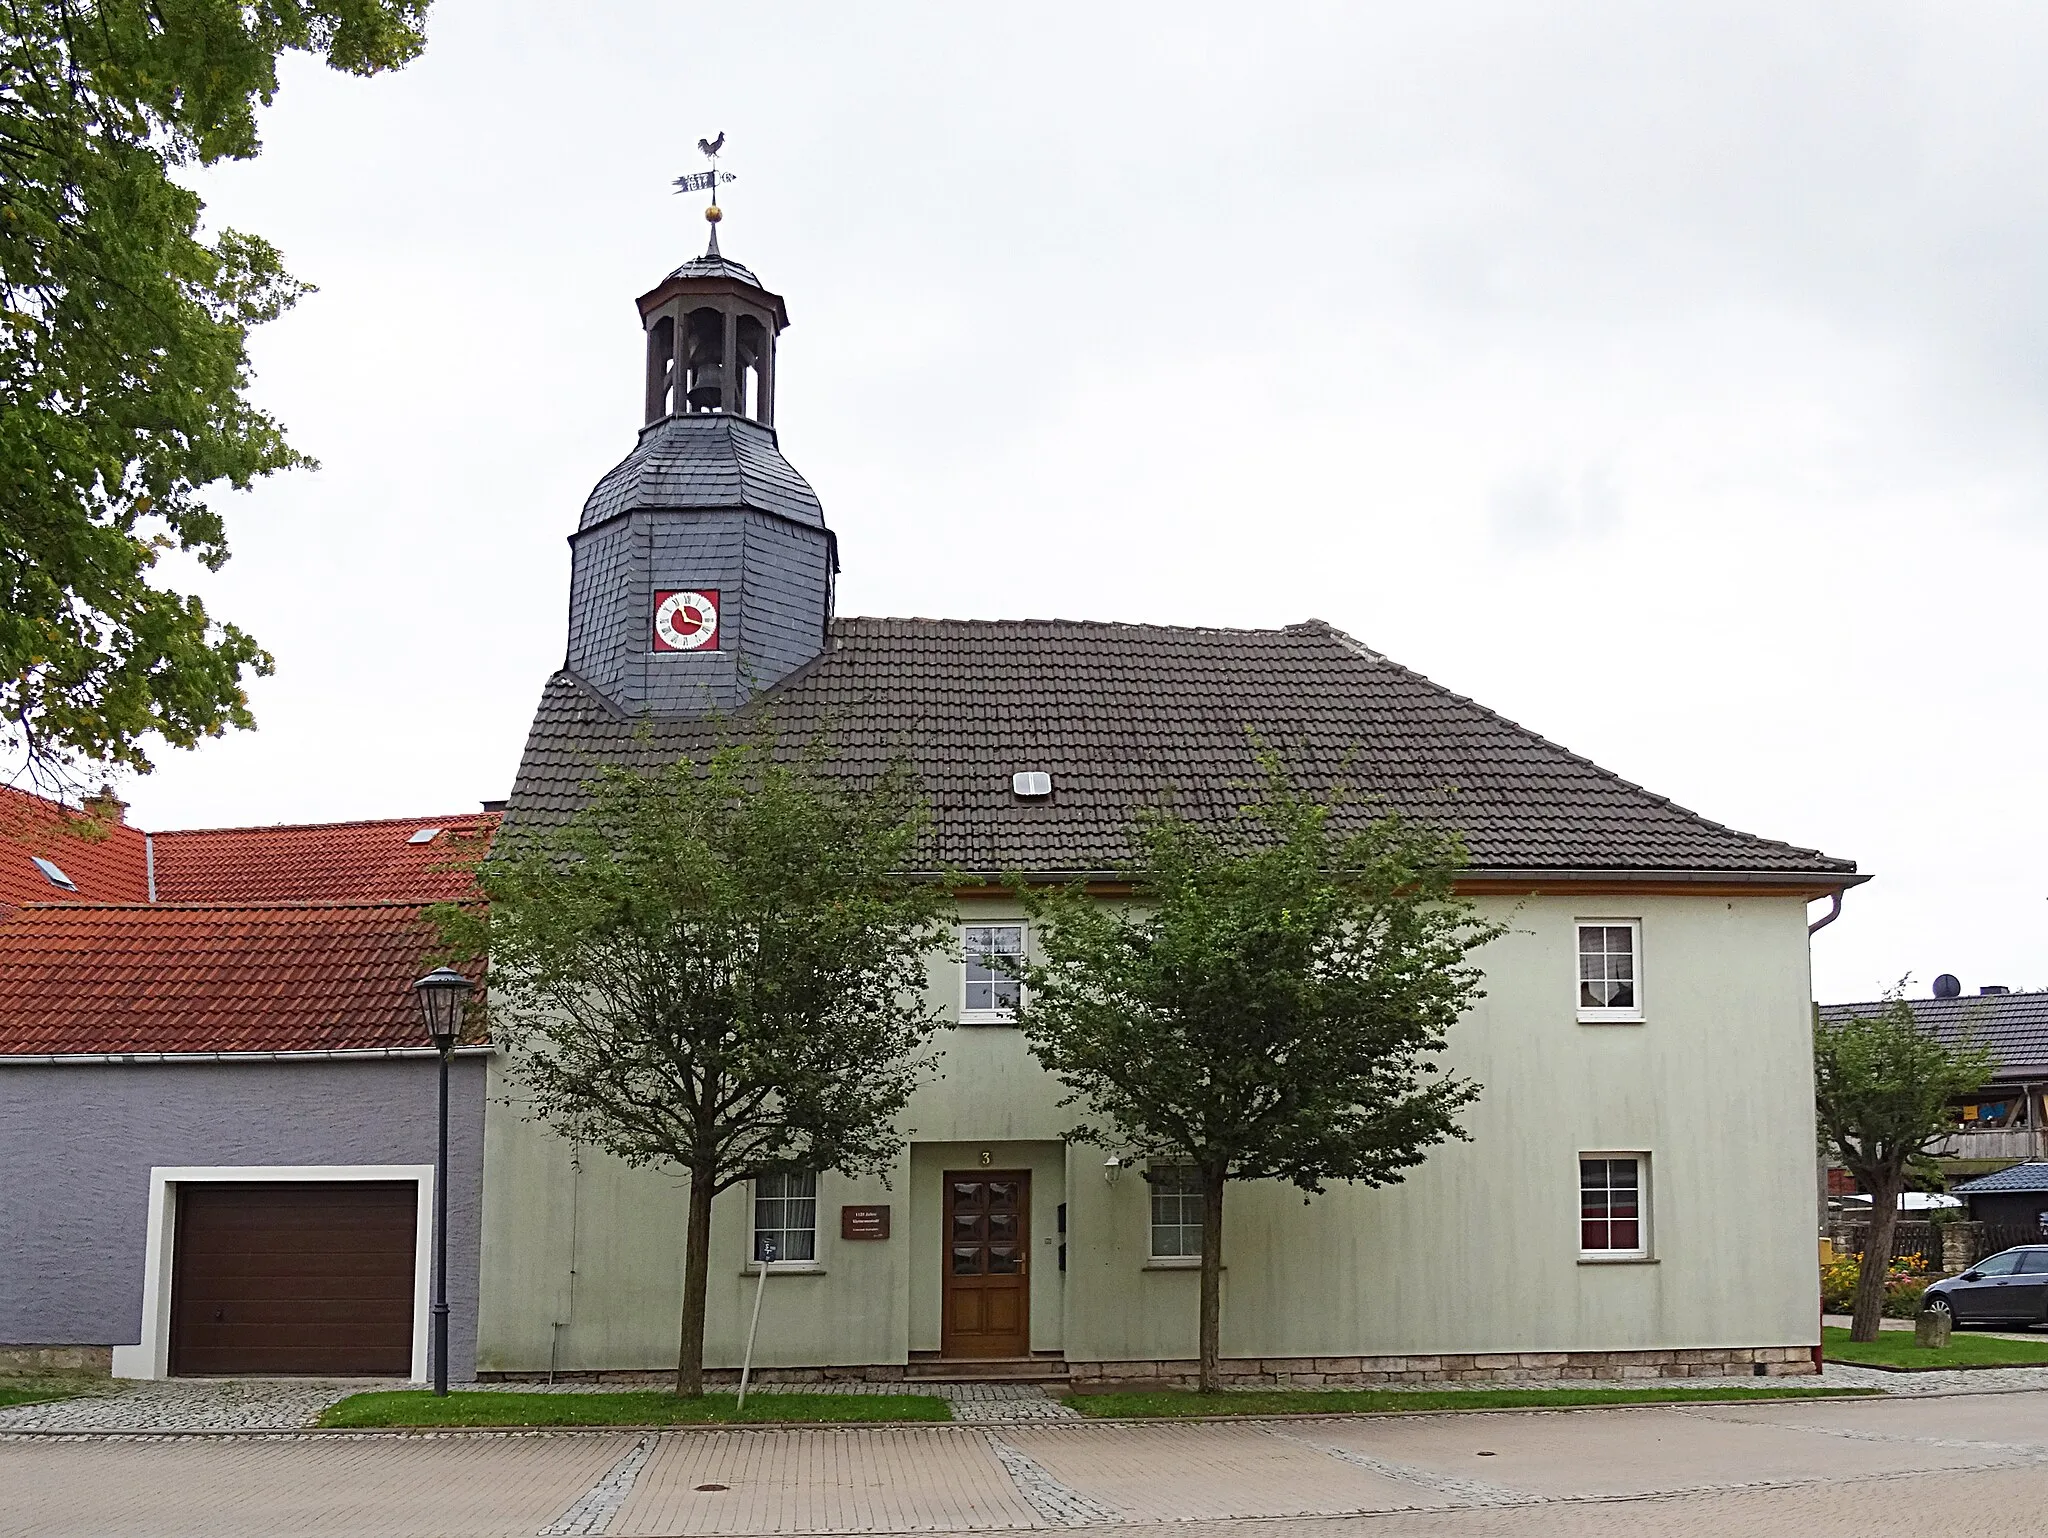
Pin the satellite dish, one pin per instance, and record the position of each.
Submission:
(1947, 986)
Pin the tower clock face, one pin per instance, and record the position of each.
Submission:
(686, 620)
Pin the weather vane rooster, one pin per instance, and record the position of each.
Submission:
(707, 181)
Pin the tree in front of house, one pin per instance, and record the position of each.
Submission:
(1268, 1006)
(1885, 1093)
(124, 366)
(717, 968)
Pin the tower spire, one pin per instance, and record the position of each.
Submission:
(707, 181)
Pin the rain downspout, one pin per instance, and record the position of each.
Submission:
(569, 1308)
(1832, 914)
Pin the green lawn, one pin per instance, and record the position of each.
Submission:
(1895, 1348)
(1181, 1402)
(31, 1395)
(485, 1407)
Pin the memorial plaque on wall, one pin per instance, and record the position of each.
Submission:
(864, 1222)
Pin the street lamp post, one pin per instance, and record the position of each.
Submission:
(441, 994)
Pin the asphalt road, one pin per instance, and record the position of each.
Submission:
(1974, 1462)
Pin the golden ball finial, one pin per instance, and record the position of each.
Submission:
(712, 214)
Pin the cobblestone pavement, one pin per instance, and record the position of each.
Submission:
(1812, 1468)
(254, 1404)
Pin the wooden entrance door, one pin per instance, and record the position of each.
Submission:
(283, 1277)
(988, 1255)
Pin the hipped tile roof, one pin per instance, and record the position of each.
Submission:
(1122, 716)
(323, 862)
(105, 860)
(2013, 1025)
(276, 977)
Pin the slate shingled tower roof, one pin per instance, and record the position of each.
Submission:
(1123, 716)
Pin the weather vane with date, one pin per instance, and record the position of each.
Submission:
(707, 181)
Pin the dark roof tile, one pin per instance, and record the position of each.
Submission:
(1123, 716)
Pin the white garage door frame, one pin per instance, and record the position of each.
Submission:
(151, 1356)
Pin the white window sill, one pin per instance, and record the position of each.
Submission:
(987, 1017)
(1617, 1260)
(1177, 1263)
(784, 1268)
(1610, 1017)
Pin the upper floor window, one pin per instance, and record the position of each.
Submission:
(1176, 1211)
(992, 988)
(786, 1217)
(1612, 1224)
(1610, 969)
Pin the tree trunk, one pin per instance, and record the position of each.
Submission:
(1877, 1259)
(696, 1273)
(1211, 1377)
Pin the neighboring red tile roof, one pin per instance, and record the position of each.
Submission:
(323, 862)
(106, 861)
(291, 977)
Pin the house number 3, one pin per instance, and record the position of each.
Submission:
(986, 1158)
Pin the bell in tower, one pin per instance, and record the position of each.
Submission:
(702, 569)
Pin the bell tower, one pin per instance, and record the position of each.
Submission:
(702, 570)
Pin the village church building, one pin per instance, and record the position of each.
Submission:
(1637, 1194)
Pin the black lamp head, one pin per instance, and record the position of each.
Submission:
(442, 993)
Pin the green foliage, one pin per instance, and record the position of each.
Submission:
(1270, 1004)
(1883, 1094)
(1885, 1090)
(486, 1407)
(1173, 1405)
(717, 967)
(123, 354)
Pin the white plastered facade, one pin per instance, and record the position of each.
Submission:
(1477, 1250)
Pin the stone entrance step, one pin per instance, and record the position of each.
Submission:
(1001, 1369)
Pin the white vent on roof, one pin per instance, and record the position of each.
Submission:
(57, 877)
(425, 836)
(1031, 784)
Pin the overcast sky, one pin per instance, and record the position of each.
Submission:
(1668, 378)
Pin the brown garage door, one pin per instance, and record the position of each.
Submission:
(277, 1277)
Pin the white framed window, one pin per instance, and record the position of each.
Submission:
(991, 990)
(1614, 1206)
(1176, 1211)
(786, 1218)
(1610, 970)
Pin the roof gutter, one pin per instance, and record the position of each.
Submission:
(334, 1055)
(1833, 880)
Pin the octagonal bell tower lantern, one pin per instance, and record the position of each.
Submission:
(702, 570)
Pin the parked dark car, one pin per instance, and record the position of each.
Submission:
(2010, 1287)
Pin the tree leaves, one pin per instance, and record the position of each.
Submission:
(124, 368)
(1271, 1004)
(717, 966)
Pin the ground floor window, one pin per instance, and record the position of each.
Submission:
(1611, 1220)
(1176, 1211)
(786, 1216)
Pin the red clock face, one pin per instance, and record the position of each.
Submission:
(686, 620)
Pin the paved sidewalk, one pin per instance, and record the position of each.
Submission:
(1813, 1468)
